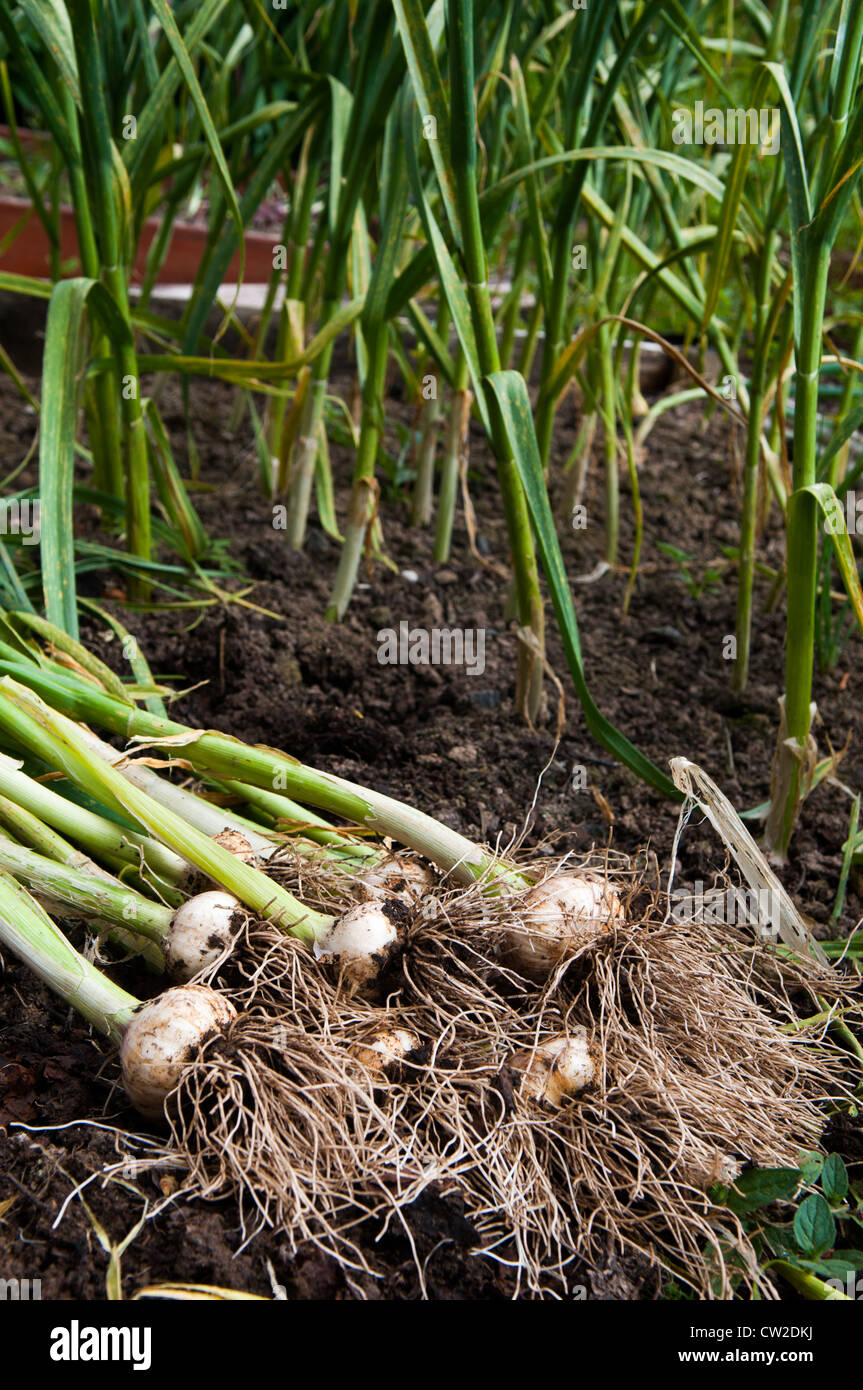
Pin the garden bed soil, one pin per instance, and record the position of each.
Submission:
(446, 741)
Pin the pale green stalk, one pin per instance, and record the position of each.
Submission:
(102, 897)
(29, 830)
(99, 836)
(609, 431)
(26, 929)
(39, 727)
(454, 459)
(362, 505)
(422, 497)
(422, 500)
(789, 784)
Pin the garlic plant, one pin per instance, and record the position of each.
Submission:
(557, 1069)
(561, 916)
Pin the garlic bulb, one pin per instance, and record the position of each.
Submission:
(406, 878)
(199, 933)
(559, 916)
(385, 1049)
(360, 945)
(196, 881)
(162, 1038)
(557, 1068)
(237, 843)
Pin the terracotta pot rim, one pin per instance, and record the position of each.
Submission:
(30, 253)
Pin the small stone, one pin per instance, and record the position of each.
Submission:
(446, 577)
(411, 576)
(380, 616)
(434, 610)
(483, 546)
(464, 754)
(668, 635)
(289, 669)
(485, 699)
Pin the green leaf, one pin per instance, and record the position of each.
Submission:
(780, 1239)
(810, 1163)
(666, 160)
(796, 178)
(361, 274)
(843, 1262)
(24, 284)
(834, 1179)
(79, 654)
(814, 1226)
(537, 225)
(64, 333)
(393, 208)
(170, 486)
(510, 393)
(51, 19)
(412, 279)
(758, 1187)
(37, 86)
(726, 226)
(178, 48)
(116, 507)
(324, 494)
(428, 335)
(643, 254)
(834, 525)
(63, 336)
(418, 44)
(341, 102)
(845, 428)
(242, 372)
(15, 593)
(844, 176)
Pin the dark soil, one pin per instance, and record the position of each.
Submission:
(438, 737)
